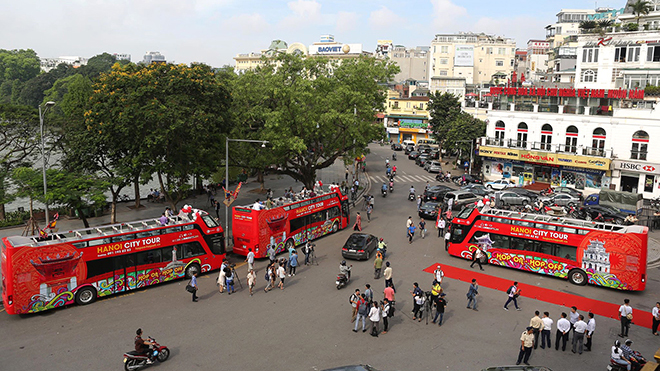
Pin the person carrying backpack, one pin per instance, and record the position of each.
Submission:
(363, 311)
(353, 300)
(513, 293)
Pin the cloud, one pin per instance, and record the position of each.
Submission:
(346, 21)
(447, 15)
(304, 12)
(384, 18)
(246, 23)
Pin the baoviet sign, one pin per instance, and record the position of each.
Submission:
(587, 162)
(636, 94)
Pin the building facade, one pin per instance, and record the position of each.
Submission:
(48, 64)
(536, 61)
(153, 57)
(413, 62)
(581, 147)
(406, 118)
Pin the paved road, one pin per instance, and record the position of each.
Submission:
(306, 326)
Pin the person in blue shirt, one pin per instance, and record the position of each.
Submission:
(384, 187)
(193, 283)
(411, 233)
(293, 263)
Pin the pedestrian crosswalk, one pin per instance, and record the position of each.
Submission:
(404, 179)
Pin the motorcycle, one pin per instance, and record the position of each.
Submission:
(394, 156)
(391, 186)
(383, 191)
(547, 192)
(411, 196)
(134, 360)
(342, 280)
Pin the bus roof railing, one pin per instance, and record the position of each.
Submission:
(562, 220)
(99, 231)
(299, 196)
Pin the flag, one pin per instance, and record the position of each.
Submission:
(238, 188)
(54, 222)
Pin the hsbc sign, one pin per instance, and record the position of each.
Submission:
(636, 167)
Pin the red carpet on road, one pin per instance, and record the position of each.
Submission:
(584, 305)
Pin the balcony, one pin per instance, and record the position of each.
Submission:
(554, 148)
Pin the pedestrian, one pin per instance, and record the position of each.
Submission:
(369, 210)
(306, 251)
(439, 274)
(409, 222)
(270, 277)
(386, 314)
(250, 259)
(358, 223)
(440, 224)
(388, 293)
(271, 253)
(591, 327)
(387, 274)
(346, 175)
(450, 205)
(418, 308)
(563, 329)
(477, 255)
(164, 219)
(354, 300)
(513, 292)
(368, 293)
(193, 283)
(411, 233)
(579, 329)
(472, 293)
(626, 315)
(415, 292)
(547, 330)
(281, 273)
(656, 318)
(293, 263)
(422, 227)
(436, 290)
(440, 305)
(217, 209)
(378, 265)
(230, 282)
(372, 199)
(374, 317)
(447, 236)
(573, 316)
(251, 280)
(419, 202)
(362, 312)
(537, 325)
(222, 278)
(526, 342)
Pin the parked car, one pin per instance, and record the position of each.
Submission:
(500, 184)
(424, 148)
(461, 198)
(429, 210)
(436, 193)
(477, 189)
(435, 154)
(433, 166)
(571, 191)
(468, 179)
(409, 148)
(396, 147)
(359, 246)
(561, 199)
(608, 212)
(526, 192)
(421, 159)
(511, 198)
(413, 155)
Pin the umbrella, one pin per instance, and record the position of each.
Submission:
(470, 95)
(487, 95)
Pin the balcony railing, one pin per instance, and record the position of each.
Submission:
(592, 151)
(563, 148)
(513, 143)
(555, 148)
(541, 146)
(494, 142)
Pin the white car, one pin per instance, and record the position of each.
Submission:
(500, 184)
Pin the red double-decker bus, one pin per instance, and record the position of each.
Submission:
(288, 225)
(81, 265)
(601, 254)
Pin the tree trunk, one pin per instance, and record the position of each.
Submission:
(2, 212)
(260, 178)
(168, 196)
(136, 189)
(83, 217)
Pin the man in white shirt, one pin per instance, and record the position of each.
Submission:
(579, 329)
(447, 237)
(439, 274)
(441, 225)
(656, 318)
(250, 259)
(563, 328)
(591, 327)
(257, 205)
(547, 329)
(409, 222)
(625, 313)
(573, 316)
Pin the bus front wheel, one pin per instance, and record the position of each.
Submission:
(192, 268)
(577, 277)
(85, 295)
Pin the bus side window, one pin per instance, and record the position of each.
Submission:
(192, 249)
(582, 231)
(500, 241)
(566, 252)
(296, 224)
(567, 230)
(166, 252)
(333, 212)
(545, 247)
(96, 242)
(521, 244)
(172, 230)
(99, 267)
(148, 257)
(80, 245)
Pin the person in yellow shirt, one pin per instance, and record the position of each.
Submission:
(526, 343)
(537, 325)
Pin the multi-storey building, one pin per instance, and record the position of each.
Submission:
(122, 57)
(406, 118)
(536, 61)
(49, 63)
(153, 57)
(413, 62)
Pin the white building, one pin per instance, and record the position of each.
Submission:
(412, 62)
(48, 64)
(536, 65)
(122, 57)
(153, 57)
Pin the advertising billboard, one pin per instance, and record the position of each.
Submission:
(464, 56)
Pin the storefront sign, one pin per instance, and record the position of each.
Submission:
(636, 167)
(547, 158)
(393, 130)
(637, 94)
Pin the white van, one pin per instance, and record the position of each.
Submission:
(407, 143)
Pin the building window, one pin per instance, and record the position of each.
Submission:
(499, 63)
(512, 63)
(653, 53)
(499, 133)
(521, 141)
(443, 72)
(489, 50)
(598, 142)
(589, 76)
(501, 51)
(589, 55)
(546, 137)
(444, 49)
(640, 142)
(571, 139)
(620, 53)
(624, 54)
(443, 61)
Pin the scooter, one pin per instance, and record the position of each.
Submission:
(411, 196)
(394, 156)
(383, 192)
(135, 361)
(342, 280)
(391, 186)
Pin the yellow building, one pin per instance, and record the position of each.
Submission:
(250, 61)
(406, 118)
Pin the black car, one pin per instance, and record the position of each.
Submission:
(468, 179)
(359, 246)
(525, 192)
(421, 159)
(429, 210)
(607, 211)
(409, 148)
(436, 193)
(570, 191)
(477, 189)
(435, 154)
(397, 147)
(413, 155)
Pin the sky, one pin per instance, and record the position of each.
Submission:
(215, 31)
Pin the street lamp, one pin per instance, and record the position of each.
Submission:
(227, 140)
(471, 152)
(43, 152)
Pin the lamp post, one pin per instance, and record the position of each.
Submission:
(227, 140)
(471, 152)
(43, 152)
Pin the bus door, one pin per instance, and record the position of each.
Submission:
(124, 273)
(345, 211)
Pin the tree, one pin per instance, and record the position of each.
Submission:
(602, 26)
(18, 141)
(311, 110)
(28, 183)
(444, 109)
(163, 119)
(463, 131)
(18, 64)
(81, 192)
(640, 8)
(588, 26)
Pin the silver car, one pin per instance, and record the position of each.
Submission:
(433, 167)
(511, 198)
(561, 199)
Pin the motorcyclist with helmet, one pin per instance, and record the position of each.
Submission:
(344, 269)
